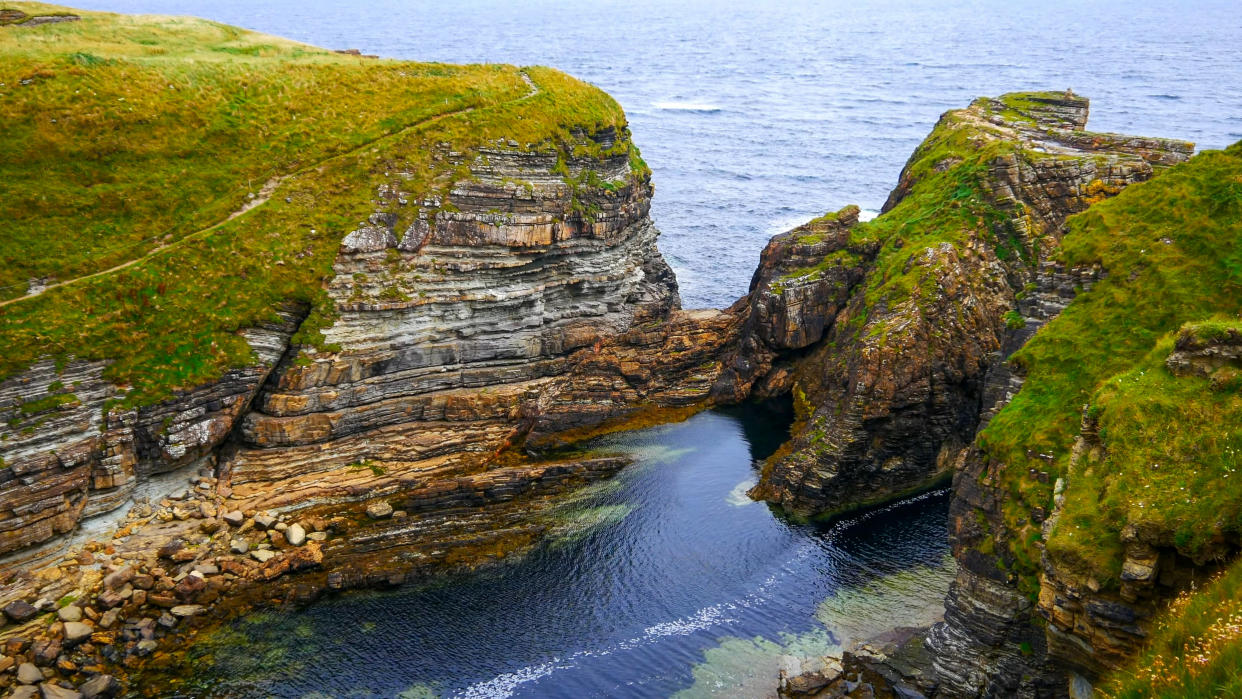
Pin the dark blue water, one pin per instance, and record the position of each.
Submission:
(754, 116)
(666, 579)
(758, 115)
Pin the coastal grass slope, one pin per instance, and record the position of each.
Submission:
(1169, 445)
(1195, 651)
(171, 181)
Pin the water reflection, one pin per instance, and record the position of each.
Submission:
(652, 583)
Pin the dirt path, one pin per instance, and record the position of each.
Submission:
(266, 192)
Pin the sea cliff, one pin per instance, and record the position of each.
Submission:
(340, 359)
(331, 321)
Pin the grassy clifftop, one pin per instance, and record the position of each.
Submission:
(141, 140)
(1168, 444)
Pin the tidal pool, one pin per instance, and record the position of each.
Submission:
(665, 580)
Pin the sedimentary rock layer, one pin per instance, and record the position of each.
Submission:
(531, 300)
(917, 307)
(72, 449)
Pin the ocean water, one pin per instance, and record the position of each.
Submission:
(663, 581)
(754, 117)
(758, 115)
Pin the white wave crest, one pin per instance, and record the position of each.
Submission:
(679, 106)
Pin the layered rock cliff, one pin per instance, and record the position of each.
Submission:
(1064, 555)
(503, 287)
(365, 367)
(885, 332)
(1103, 487)
(361, 370)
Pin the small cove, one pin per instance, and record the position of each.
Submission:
(663, 581)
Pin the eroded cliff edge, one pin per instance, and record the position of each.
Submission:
(495, 289)
(380, 325)
(1093, 479)
(335, 355)
(884, 332)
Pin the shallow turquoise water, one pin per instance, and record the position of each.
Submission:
(665, 579)
(754, 116)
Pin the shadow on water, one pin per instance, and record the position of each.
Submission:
(664, 579)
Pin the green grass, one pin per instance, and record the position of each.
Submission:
(1195, 649)
(1172, 250)
(128, 133)
(946, 205)
(49, 402)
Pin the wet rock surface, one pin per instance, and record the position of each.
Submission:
(891, 397)
(527, 309)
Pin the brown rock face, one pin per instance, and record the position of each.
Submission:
(67, 458)
(517, 308)
(528, 300)
(888, 364)
(987, 644)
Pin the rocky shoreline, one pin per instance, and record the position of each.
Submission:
(480, 330)
(184, 564)
(299, 463)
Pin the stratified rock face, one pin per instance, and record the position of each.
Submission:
(988, 645)
(893, 393)
(68, 453)
(528, 301)
(804, 280)
(461, 330)
(1093, 629)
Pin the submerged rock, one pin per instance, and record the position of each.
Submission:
(100, 687)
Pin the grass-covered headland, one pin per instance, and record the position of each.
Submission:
(139, 139)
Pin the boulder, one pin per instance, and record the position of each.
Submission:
(46, 651)
(264, 521)
(182, 611)
(191, 585)
(171, 548)
(26, 691)
(76, 632)
(117, 579)
(71, 612)
(295, 535)
(100, 687)
(28, 673)
(110, 618)
(379, 510)
(20, 611)
(55, 691)
(234, 518)
(262, 555)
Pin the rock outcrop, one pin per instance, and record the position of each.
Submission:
(73, 450)
(513, 301)
(919, 305)
(473, 331)
(528, 302)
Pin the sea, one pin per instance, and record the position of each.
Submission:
(754, 116)
(758, 115)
